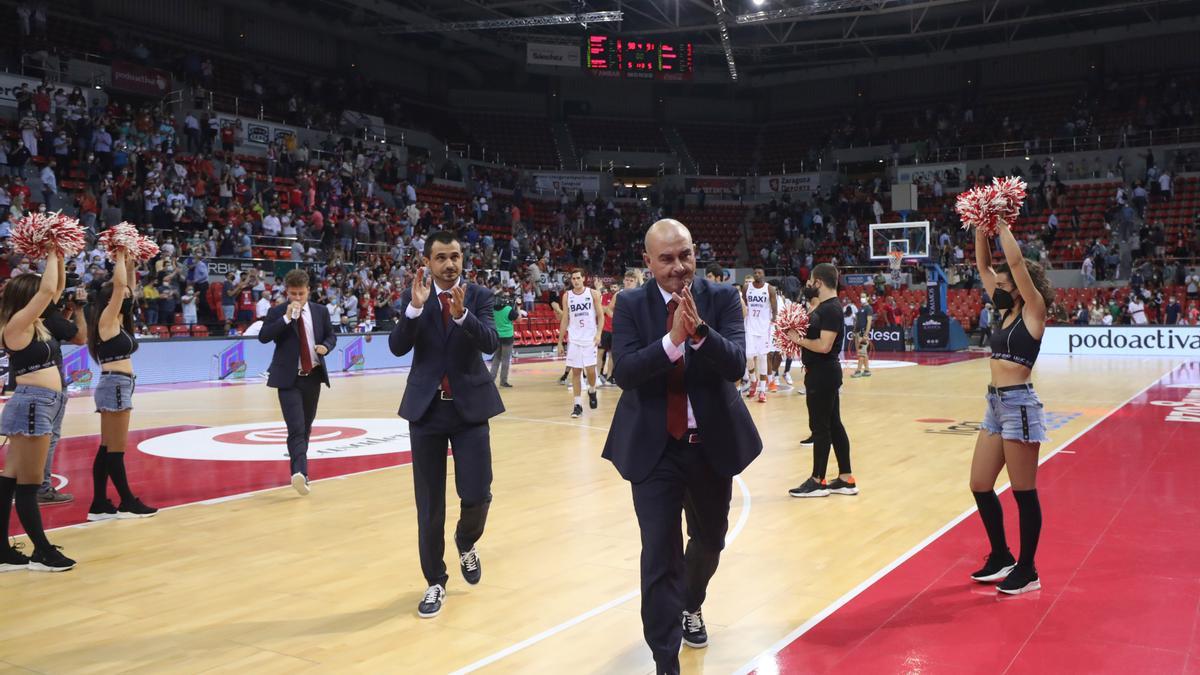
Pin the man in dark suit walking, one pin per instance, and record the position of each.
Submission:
(303, 335)
(448, 325)
(681, 431)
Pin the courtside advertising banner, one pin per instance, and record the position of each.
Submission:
(1122, 341)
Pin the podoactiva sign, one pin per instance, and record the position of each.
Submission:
(1122, 340)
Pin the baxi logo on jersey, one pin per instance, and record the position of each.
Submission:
(581, 307)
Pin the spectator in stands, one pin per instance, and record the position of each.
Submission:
(1137, 309)
(188, 302)
(1173, 312)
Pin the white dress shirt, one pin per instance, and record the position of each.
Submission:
(675, 352)
(306, 316)
(434, 293)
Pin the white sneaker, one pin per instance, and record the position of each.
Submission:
(787, 377)
(300, 484)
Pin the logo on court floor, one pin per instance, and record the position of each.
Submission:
(267, 441)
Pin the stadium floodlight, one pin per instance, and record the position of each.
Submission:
(582, 18)
(759, 3)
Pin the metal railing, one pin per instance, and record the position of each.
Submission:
(1089, 143)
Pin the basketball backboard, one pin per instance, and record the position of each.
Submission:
(912, 239)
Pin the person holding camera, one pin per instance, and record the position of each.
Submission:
(505, 312)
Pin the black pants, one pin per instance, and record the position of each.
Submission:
(442, 426)
(674, 580)
(299, 405)
(825, 418)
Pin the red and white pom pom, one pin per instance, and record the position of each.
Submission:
(793, 317)
(38, 233)
(146, 249)
(985, 206)
(121, 237)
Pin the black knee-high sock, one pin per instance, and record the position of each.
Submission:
(8, 487)
(1029, 510)
(100, 475)
(115, 461)
(31, 516)
(992, 515)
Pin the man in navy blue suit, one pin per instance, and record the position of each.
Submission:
(303, 335)
(681, 431)
(448, 325)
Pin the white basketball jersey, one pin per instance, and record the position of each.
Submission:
(582, 328)
(758, 310)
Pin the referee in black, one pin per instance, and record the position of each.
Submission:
(821, 352)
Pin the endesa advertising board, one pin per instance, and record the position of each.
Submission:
(1132, 341)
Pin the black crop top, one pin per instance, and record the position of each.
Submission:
(37, 355)
(1015, 344)
(120, 347)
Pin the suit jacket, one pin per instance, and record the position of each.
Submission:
(638, 435)
(455, 351)
(285, 362)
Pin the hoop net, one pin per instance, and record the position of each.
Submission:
(895, 262)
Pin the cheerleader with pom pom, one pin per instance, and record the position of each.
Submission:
(112, 343)
(820, 351)
(1013, 427)
(38, 403)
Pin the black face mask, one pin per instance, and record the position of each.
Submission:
(1003, 299)
(810, 292)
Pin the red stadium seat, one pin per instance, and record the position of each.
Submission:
(199, 331)
(180, 330)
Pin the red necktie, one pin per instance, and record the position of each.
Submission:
(676, 391)
(445, 298)
(306, 362)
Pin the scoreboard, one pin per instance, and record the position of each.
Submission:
(616, 56)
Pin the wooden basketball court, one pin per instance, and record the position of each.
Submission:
(271, 582)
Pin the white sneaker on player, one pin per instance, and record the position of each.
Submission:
(787, 377)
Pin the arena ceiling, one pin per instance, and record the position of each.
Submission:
(785, 35)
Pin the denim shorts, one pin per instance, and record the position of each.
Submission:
(33, 411)
(1015, 414)
(114, 392)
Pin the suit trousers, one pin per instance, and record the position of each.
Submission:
(299, 405)
(441, 426)
(674, 579)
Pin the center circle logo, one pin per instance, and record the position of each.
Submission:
(267, 441)
(277, 435)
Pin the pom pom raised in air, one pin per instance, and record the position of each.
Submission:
(985, 206)
(36, 234)
(121, 237)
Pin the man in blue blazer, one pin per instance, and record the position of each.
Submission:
(681, 431)
(303, 335)
(448, 325)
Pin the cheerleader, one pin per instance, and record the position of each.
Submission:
(30, 416)
(112, 343)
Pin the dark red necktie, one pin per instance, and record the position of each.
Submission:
(676, 390)
(445, 298)
(306, 362)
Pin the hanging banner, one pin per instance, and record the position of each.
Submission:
(256, 132)
(564, 56)
(557, 182)
(713, 185)
(137, 79)
(951, 174)
(800, 182)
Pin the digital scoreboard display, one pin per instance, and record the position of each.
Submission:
(616, 56)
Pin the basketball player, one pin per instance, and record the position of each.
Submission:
(583, 314)
(774, 357)
(303, 334)
(759, 297)
(1013, 427)
(633, 279)
(821, 354)
(607, 298)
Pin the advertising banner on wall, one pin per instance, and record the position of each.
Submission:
(540, 54)
(137, 79)
(951, 174)
(798, 182)
(256, 132)
(1133, 341)
(556, 182)
(9, 84)
(714, 185)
